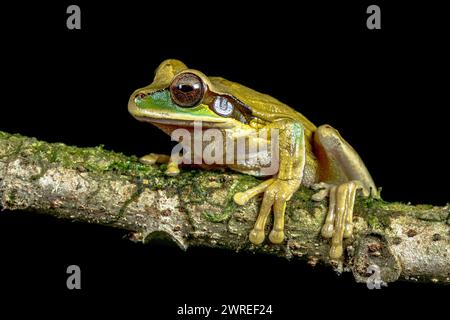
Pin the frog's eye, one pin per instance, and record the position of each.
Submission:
(187, 90)
(222, 106)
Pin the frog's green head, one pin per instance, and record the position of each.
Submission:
(178, 96)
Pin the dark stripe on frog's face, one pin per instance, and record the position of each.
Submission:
(240, 111)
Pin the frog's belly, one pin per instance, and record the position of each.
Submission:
(260, 165)
(310, 173)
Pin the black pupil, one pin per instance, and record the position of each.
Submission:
(185, 88)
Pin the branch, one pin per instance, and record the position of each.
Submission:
(196, 209)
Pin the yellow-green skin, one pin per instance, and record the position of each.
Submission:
(314, 157)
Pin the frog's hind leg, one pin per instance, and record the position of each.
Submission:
(343, 173)
(152, 158)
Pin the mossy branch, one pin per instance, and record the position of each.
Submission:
(196, 209)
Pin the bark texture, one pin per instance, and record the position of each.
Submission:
(196, 209)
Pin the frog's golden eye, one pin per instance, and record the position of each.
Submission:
(187, 90)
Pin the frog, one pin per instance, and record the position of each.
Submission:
(315, 157)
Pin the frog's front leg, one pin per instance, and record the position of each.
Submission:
(343, 173)
(172, 165)
(278, 190)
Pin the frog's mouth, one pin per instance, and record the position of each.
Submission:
(186, 123)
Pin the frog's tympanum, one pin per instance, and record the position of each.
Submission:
(316, 157)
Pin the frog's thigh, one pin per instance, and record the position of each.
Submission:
(339, 161)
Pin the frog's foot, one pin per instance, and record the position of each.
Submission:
(276, 193)
(339, 221)
(324, 190)
(152, 158)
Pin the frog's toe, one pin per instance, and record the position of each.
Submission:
(172, 169)
(256, 236)
(323, 190)
(320, 195)
(153, 158)
(321, 185)
(276, 236)
(327, 230)
(348, 229)
(241, 198)
(150, 158)
(336, 251)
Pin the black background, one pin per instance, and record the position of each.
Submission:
(386, 91)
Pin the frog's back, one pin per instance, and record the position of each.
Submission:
(262, 105)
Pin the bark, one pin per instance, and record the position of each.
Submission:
(196, 209)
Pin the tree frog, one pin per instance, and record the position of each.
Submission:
(315, 157)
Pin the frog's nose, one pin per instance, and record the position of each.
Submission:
(139, 96)
(135, 99)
